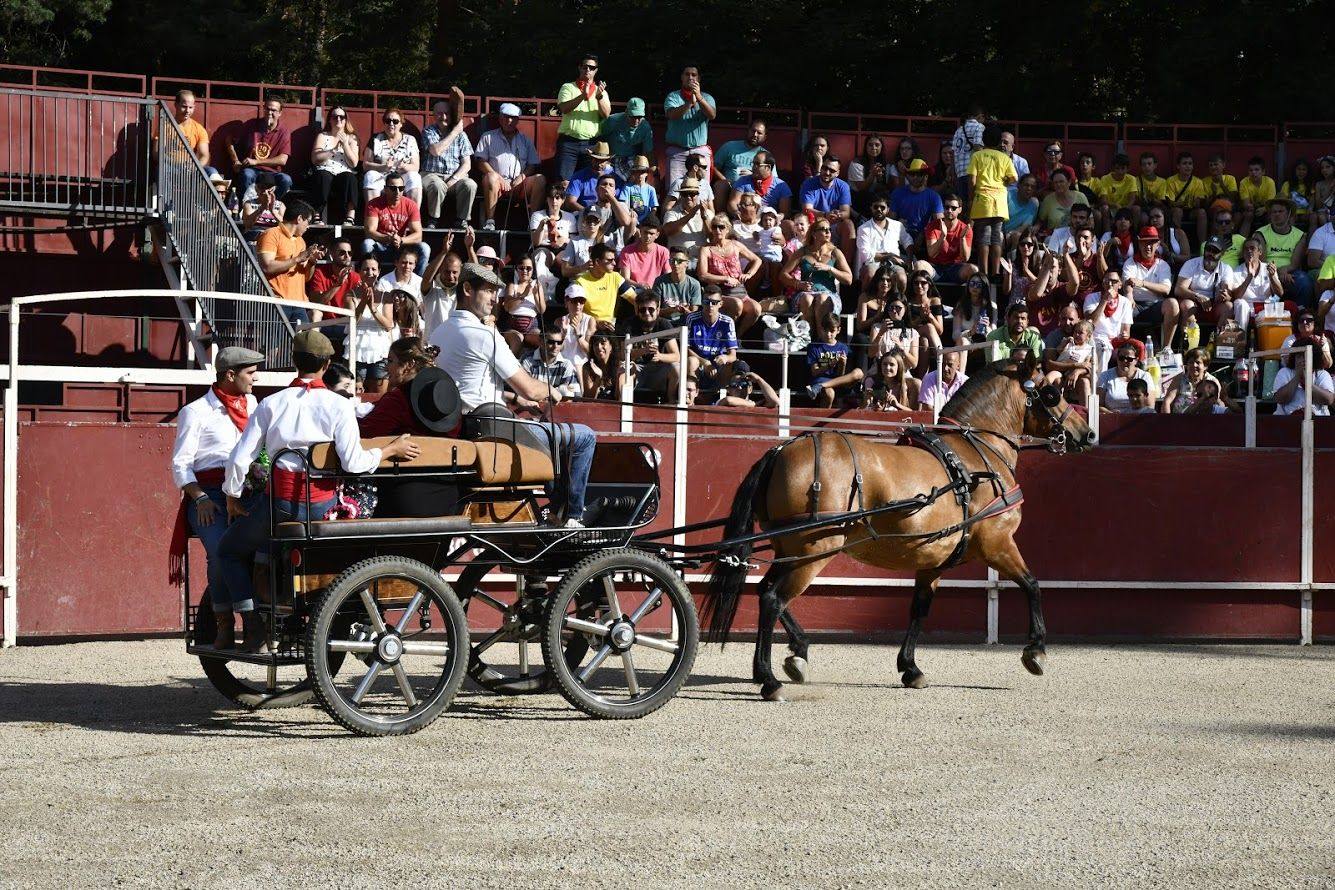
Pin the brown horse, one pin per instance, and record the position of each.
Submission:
(995, 410)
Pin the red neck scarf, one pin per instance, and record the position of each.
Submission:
(312, 383)
(1110, 308)
(238, 409)
(762, 186)
(1124, 242)
(1148, 264)
(587, 87)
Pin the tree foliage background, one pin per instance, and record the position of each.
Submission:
(1191, 60)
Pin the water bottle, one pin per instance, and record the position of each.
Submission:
(1192, 332)
(983, 321)
(1151, 362)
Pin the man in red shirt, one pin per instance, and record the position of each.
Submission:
(333, 284)
(264, 147)
(393, 220)
(949, 241)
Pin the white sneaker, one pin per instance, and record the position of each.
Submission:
(489, 226)
(573, 523)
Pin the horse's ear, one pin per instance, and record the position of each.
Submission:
(1030, 366)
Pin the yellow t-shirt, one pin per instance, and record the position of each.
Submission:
(1327, 270)
(991, 170)
(584, 120)
(1251, 193)
(1153, 189)
(1185, 193)
(289, 285)
(1117, 193)
(1225, 187)
(601, 294)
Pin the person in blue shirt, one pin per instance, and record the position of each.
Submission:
(582, 192)
(827, 360)
(825, 194)
(640, 193)
(689, 111)
(1023, 204)
(733, 160)
(915, 205)
(628, 134)
(764, 181)
(712, 342)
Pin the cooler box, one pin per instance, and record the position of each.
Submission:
(1272, 332)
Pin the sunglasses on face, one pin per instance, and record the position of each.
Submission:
(647, 310)
(342, 253)
(1053, 151)
(393, 188)
(954, 208)
(719, 228)
(589, 67)
(524, 268)
(339, 117)
(394, 120)
(1126, 358)
(554, 342)
(1027, 244)
(679, 261)
(825, 229)
(896, 307)
(713, 302)
(829, 170)
(1306, 321)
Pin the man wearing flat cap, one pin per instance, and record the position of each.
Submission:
(296, 417)
(207, 430)
(477, 358)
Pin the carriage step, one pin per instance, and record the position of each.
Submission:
(274, 658)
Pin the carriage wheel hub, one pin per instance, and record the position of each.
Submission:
(390, 648)
(621, 635)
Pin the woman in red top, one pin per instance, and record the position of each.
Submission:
(721, 263)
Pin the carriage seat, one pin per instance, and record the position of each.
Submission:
(493, 461)
(356, 528)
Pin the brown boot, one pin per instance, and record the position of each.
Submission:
(226, 624)
(255, 637)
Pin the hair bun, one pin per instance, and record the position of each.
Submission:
(433, 352)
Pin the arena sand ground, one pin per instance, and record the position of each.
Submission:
(1132, 766)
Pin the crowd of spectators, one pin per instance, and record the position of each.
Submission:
(868, 265)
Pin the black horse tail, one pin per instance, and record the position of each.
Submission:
(729, 574)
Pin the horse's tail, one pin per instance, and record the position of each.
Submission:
(729, 574)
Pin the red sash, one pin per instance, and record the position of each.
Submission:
(181, 528)
(290, 485)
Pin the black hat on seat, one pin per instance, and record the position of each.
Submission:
(435, 400)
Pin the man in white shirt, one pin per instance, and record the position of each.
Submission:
(1064, 236)
(1206, 281)
(207, 430)
(296, 417)
(1320, 245)
(1008, 148)
(440, 291)
(1151, 279)
(1289, 395)
(477, 358)
(882, 240)
(403, 276)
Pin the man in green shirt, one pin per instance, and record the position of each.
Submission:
(628, 134)
(1286, 247)
(583, 104)
(1014, 334)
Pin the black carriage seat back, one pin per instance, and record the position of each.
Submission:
(493, 461)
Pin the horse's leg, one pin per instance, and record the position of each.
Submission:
(1010, 565)
(924, 587)
(774, 599)
(795, 665)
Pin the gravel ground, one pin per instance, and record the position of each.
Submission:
(1146, 766)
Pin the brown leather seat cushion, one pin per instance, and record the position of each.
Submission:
(504, 463)
(437, 453)
(353, 528)
(496, 461)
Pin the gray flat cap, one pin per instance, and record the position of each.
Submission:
(236, 357)
(477, 272)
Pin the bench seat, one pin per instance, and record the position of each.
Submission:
(494, 461)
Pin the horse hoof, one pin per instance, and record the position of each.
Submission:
(914, 679)
(773, 693)
(1034, 661)
(795, 666)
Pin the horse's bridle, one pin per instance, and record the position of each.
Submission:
(1047, 398)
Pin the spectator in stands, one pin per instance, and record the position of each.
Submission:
(765, 240)
(872, 310)
(446, 162)
(914, 204)
(1021, 209)
(332, 284)
(1320, 244)
(892, 388)
(1204, 284)
(828, 364)
(440, 290)
(1008, 149)
(1028, 277)
(891, 331)
(393, 220)
(926, 315)
(1210, 399)
(1304, 324)
(1300, 188)
(393, 150)
(575, 257)
(582, 189)
(975, 314)
(583, 103)
(195, 135)
(628, 136)
(609, 295)
(813, 155)
(524, 305)
(1138, 400)
(1072, 367)
(1286, 247)
(549, 232)
(1087, 182)
(1173, 244)
(949, 243)
(403, 276)
(1119, 190)
(764, 181)
(1151, 280)
(934, 392)
(1112, 383)
(1055, 210)
(1083, 268)
(265, 211)
(508, 160)
(1254, 193)
(989, 172)
(871, 175)
(883, 241)
(822, 267)
(1052, 163)
(684, 225)
(263, 148)
(1222, 227)
(943, 173)
(654, 363)
(1254, 279)
(721, 263)
(1219, 184)
(286, 260)
(830, 198)
(548, 365)
(602, 374)
(644, 260)
(640, 192)
(1150, 186)
(1289, 395)
(967, 138)
(1110, 311)
(734, 158)
(906, 152)
(578, 326)
(334, 159)
(1067, 318)
(679, 293)
(689, 111)
(1014, 333)
(712, 341)
(375, 312)
(1062, 239)
(697, 168)
(1119, 242)
(618, 221)
(1325, 289)
(747, 389)
(1180, 395)
(1323, 194)
(1187, 196)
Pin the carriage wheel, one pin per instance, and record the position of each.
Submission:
(402, 622)
(637, 619)
(252, 686)
(513, 626)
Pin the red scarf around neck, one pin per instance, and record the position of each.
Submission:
(238, 407)
(1148, 264)
(587, 87)
(1110, 308)
(312, 383)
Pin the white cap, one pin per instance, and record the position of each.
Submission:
(487, 252)
(509, 109)
(575, 290)
(773, 211)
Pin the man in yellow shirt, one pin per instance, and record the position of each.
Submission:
(602, 286)
(1220, 184)
(1254, 194)
(286, 260)
(1151, 186)
(584, 104)
(1118, 189)
(1186, 195)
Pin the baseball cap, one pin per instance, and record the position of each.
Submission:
(635, 107)
(1217, 244)
(234, 357)
(509, 109)
(1149, 233)
(918, 165)
(575, 292)
(313, 343)
(477, 272)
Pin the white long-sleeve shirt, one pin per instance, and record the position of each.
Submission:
(205, 436)
(894, 239)
(298, 418)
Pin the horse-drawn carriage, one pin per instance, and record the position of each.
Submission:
(362, 617)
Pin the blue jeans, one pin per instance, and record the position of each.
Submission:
(571, 154)
(244, 178)
(384, 254)
(249, 534)
(297, 315)
(1301, 292)
(575, 439)
(209, 536)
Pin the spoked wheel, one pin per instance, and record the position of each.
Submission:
(490, 664)
(402, 622)
(253, 686)
(635, 621)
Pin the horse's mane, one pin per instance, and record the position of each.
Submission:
(978, 400)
